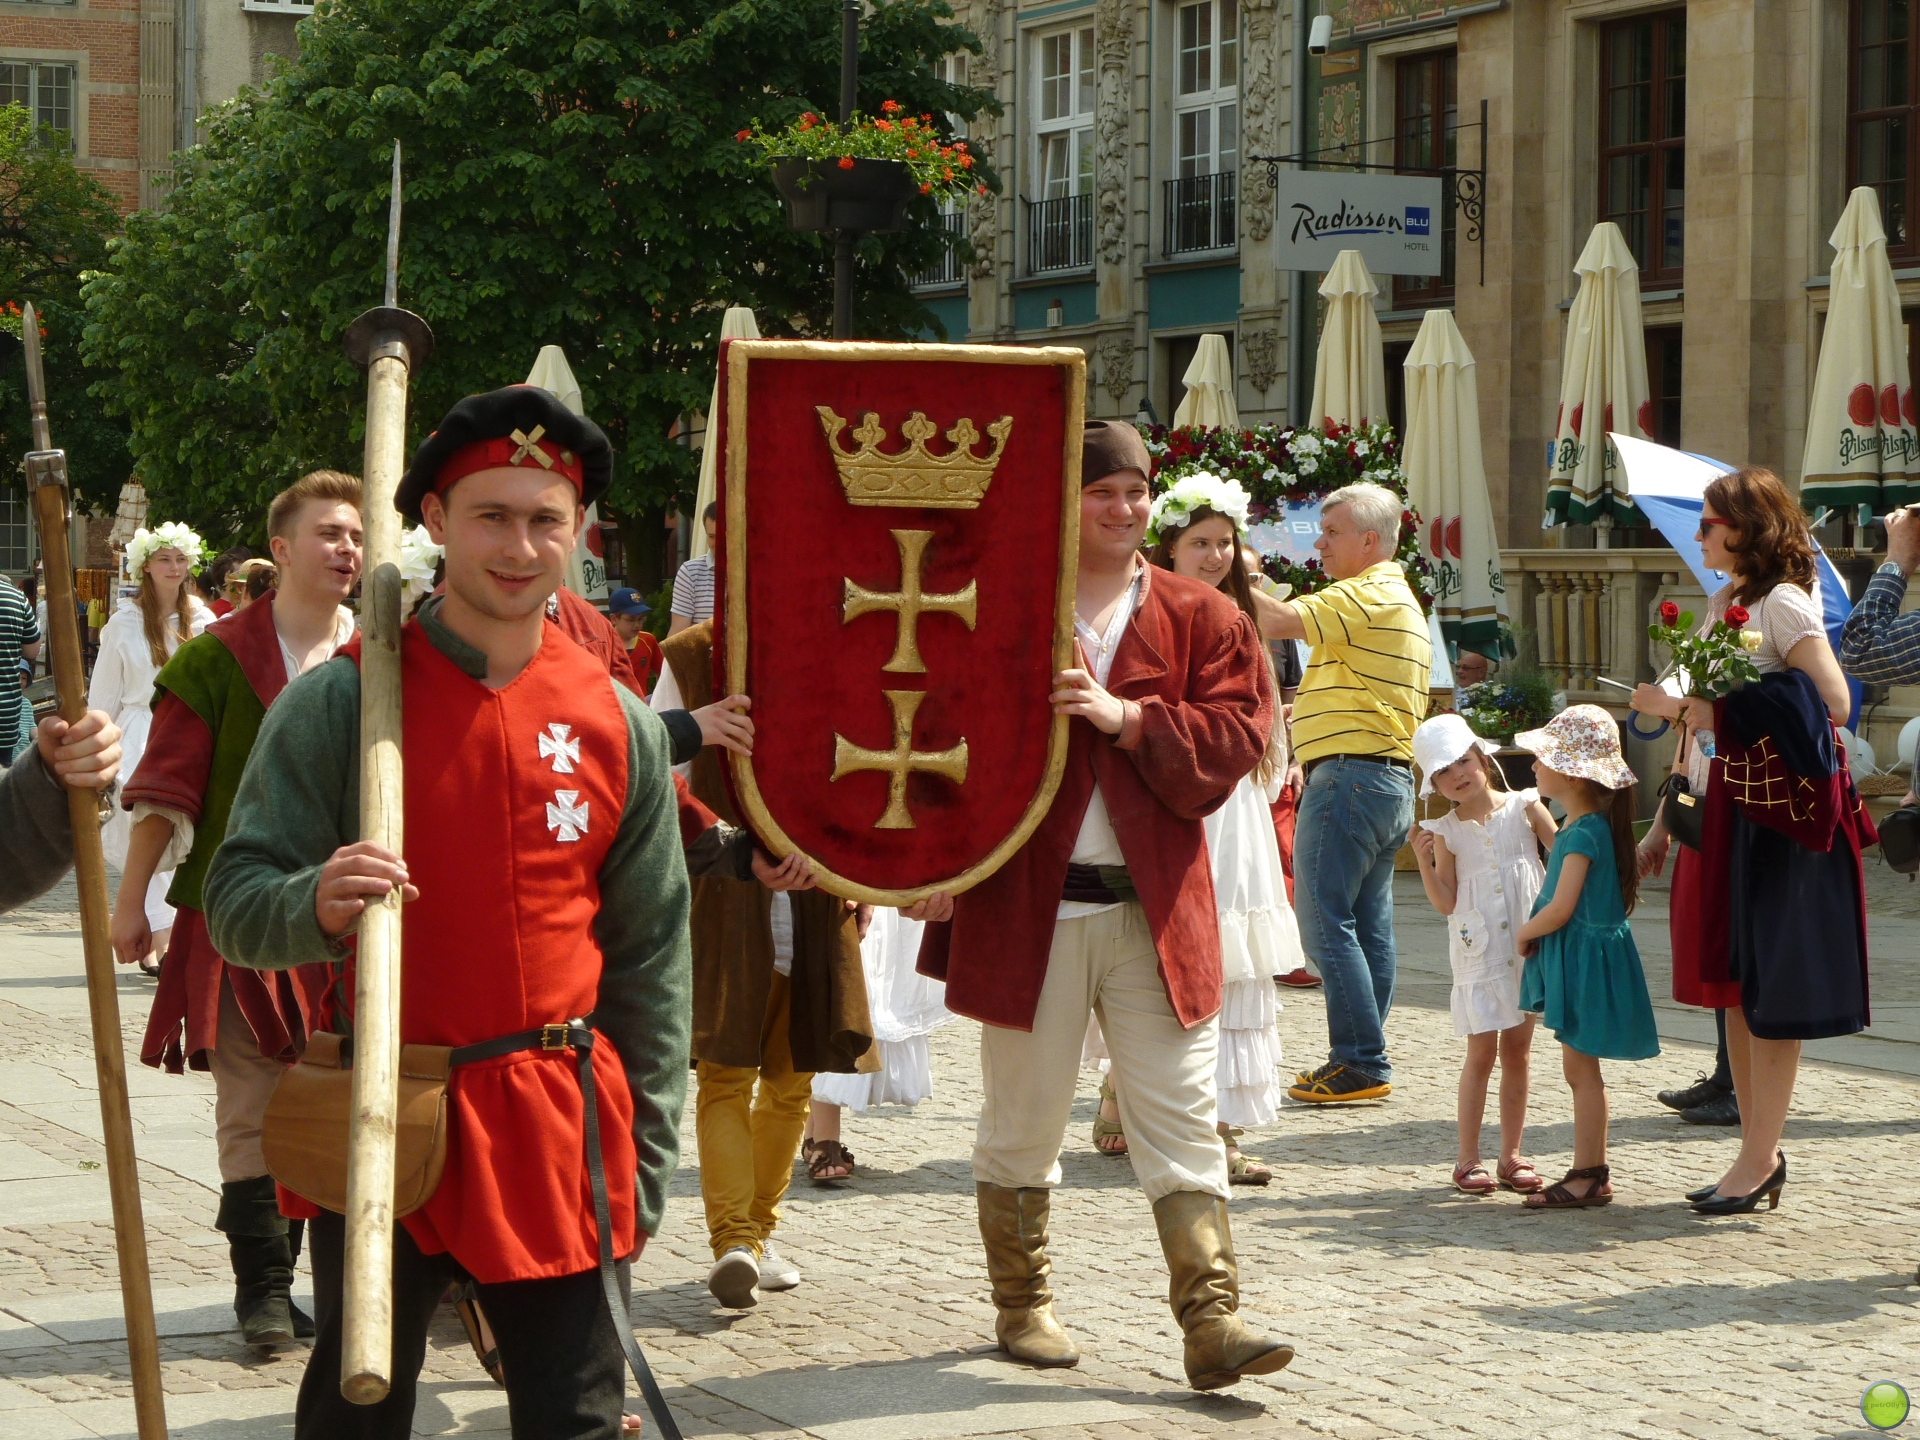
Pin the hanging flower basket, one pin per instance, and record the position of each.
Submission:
(861, 175)
(868, 195)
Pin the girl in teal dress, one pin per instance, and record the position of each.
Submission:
(1583, 972)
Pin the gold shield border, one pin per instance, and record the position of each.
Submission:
(740, 354)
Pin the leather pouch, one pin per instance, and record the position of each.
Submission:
(304, 1134)
(1683, 812)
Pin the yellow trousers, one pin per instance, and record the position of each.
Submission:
(748, 1141)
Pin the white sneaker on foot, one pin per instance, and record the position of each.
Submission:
(776, 1271)
(733, 1278)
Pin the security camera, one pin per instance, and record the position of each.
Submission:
(1321, 35)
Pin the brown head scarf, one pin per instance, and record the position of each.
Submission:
(1110, 446)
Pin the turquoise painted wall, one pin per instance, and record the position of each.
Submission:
(951, 311)
(1182, 298)
(1076, 297)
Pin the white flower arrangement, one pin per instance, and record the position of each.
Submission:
(1189, 493)
(170, 536)
(418, 558)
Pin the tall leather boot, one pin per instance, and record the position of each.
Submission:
(262, 1257)
(1205, 1293)
(303, 1326)
(1013, 1226)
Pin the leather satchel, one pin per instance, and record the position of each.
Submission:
(1683, 813)
(1900, 840)
(304, 1134)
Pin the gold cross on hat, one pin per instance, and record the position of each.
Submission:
(529, 446)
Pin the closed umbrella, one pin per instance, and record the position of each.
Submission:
(1603, 386)
(1860, 427)
(1447, 483)
(737, 324)
(586, 566)
(1350, 373)
(1209, 382)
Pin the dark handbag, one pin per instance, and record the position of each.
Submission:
(1900, 839)
(1683, 813)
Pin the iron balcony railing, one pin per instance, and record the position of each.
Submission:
(1203, 213)
(1060, 234)
(949, 269)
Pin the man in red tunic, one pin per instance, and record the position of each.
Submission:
(544, 934)
(1109, 908)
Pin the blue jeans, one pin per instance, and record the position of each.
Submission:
(1354, 818)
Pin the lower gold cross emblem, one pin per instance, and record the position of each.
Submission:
(901, 760)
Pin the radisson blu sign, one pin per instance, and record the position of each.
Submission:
(1394, 221)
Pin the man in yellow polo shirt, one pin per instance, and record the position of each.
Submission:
(1353, 721)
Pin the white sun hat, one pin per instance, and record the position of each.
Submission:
(1438, 742)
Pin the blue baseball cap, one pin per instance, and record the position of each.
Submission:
(627, 602)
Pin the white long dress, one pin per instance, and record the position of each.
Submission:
(122, 686)
(907, 1007)
(1497, 875)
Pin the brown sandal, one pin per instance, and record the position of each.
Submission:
(1520, 1177)
(829, 1155)
(1558, 1197)
(1463, 1179)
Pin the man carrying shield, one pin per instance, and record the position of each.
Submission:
(1109, 908)
(545, 929)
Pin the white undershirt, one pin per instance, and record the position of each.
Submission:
(1097, 844)
(342, 633)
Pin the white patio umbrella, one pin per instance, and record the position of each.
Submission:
(1350, 373)
(1861, 447)
(1603, 386)
(1209, 382)
(1447, 484)
(586, 569)
(737, 324)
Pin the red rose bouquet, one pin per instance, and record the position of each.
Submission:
(1711, 664)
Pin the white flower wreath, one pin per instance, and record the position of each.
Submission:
(418, 558)
(170, 536)
(1200, 490)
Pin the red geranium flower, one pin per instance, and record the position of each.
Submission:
(883, 125)
(890, 107)
(926, 189)
(743, 134)
(1737, 614)
(983, 189)
(1669, 612)
(846, 162)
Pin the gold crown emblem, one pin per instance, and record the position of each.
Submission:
(913, 477)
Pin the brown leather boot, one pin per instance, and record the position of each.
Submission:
(1013, 1225)
(1205, 1293)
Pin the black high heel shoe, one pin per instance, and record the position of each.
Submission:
(1707, 1192)
(1770, 1188)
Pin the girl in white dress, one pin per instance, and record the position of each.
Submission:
(136, 641)
(1480, 864)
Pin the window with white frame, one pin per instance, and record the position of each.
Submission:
(1206, 103)
(1063, 113)
(948, 270)
(16, 536)
(43, 88)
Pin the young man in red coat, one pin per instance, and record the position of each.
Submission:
(544, 932)
(1109, 908)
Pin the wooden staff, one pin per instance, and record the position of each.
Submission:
(47, 478)
(387, 342)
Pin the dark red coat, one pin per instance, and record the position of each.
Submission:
(1199, 689)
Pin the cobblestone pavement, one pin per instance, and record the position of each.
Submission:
(1417, 1312)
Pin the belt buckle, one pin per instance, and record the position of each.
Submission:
(556, 1037)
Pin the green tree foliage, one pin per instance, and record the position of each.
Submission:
(55, 222)
(572, 177)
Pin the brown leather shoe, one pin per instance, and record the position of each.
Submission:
(1013, 1227)
(1205, 1293)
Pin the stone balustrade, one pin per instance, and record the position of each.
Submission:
(1588, 612)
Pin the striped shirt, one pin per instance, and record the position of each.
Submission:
(1880, 645)
(693, 590)
(1365, 689)
(17, 628)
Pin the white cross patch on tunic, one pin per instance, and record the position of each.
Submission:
(564, 753)
(566, 817)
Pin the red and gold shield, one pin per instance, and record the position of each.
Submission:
(899, 533)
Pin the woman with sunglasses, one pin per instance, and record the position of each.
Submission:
(1766, 929)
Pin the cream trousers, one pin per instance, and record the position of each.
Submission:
(243, 1081)
(1104, 964)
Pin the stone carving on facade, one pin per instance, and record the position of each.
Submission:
(1261, 349)
(1112, 125)
(983, 70)
(1114, 350)
(1340, 122)
(1259, 108)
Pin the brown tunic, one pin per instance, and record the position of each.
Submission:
(830, 1026)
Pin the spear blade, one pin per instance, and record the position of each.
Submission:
(393, 235)
(36, 378)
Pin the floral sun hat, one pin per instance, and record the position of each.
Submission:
(170, 536)
(1441, 741)
(1582, 740)
(1189, 493)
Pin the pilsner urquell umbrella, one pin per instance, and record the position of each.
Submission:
(737, 324)
(551, 372)
(1603, 386)
(1861, 449)
(1209, 382)
(1447, 484)
(1350, 373)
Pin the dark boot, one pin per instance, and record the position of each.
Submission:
(303, 1326)
(257, 1244)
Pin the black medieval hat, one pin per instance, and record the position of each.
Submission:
(520, 425)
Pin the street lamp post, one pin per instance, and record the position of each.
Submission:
(849, 100)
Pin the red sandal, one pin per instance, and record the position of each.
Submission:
(1464, 1179)
(1520, 1177)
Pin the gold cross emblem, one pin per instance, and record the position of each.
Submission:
(901, 760)
(909, 603)
(529, 445)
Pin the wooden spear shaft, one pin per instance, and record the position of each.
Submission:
(47, 474)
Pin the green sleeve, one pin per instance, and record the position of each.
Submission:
(299, 801)
(646, 985)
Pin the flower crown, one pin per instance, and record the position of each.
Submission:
(170, 536)
(1198, 491)
(418, 558)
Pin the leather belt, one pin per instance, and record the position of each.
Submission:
(1393, 760)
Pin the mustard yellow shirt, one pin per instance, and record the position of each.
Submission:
(1371, 661)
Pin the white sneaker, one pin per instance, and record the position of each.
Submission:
(776, 1271)
(733, 1278)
